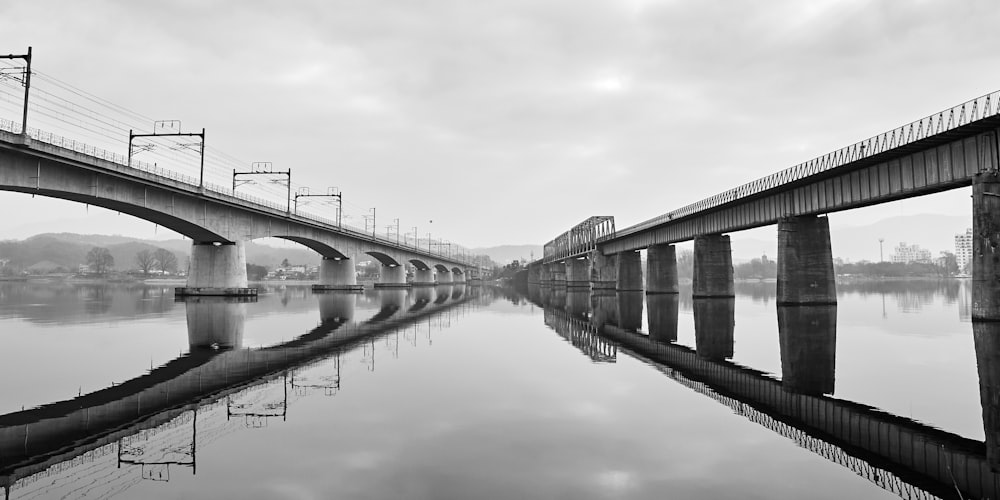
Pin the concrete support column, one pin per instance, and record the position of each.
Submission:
(986, 248)
(714, 327)
(423, 277)
(713, 267)
(603, 271)
(808, 339)
(337, 274)
(986, 337)
(662, 316)
(629, 272)
(805, 262)
(215, 322)
(457, 278)
(545, 274)
(392, 276)
(217, 269)
(558, 270)
(444, 277)
(578, 273)
(661, 269)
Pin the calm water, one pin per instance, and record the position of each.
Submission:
(475, 392)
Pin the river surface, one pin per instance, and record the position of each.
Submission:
(457, 392)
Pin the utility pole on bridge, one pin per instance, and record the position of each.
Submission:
(264, 168)
(26, 81)
(170, 124)
(331, 192)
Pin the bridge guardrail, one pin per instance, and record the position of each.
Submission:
(154, 169)
(963, 114)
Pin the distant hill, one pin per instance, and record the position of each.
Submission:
(506, 254)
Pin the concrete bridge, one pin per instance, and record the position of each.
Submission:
(217, 221)
(950, 149)
(905, 457)
(216, 366)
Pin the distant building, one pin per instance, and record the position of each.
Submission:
(910, 253)
(963, 249)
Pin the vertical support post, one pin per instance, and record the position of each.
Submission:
(986, 247)
(805, 262)
(578, 273)
(201, 168)
(27, 87)
(629, 272)
(661, 269)
(713, 267)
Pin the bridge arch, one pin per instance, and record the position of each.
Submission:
(420, 265)
(197, 233)
(319, 247)
(457, 270)
(442, 268)
(384, 259)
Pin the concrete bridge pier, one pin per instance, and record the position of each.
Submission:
(808, 339)
(337, 274)
(558, 270)
(986, 247)
(629, 306)
(713, 267)
(457, 277)
(423, 277)
(603, 271)
(714, 326)
(215, 322)
(392, 276)
(578, 273)
(545, 274)
(535, 274)
(217, 268)
(444, 277)
(662, 316)
(805, 262)
(629, 272)
(661, 269)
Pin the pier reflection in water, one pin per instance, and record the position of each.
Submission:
(900, 455)
(137, 430)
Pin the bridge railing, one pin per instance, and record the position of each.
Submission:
(581, 238)
(154, 169)
(963, 114)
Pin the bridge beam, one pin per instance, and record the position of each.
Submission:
(805, 261)
(578, 273)
(713, 266)
(217, 268)
(629, 272)
(337, 274)
(392, 276)
(661, 269)
(423, 277)
(986, 248)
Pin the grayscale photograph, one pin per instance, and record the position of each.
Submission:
(455, 249)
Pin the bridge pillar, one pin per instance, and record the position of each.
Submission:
(423, 277)
(713, 267)
(217, 269)
(986, 248)
(444, 277)
(578, 273)
(808, 339)
(215, 322)
(558, 270)
(629, 272)
(661, 269)
(337, 307)
(714, 324)
(805, 262)
(457, 278)
(662, 316)
(603, 271)
(535, 274)
(986, 337)
(392, 276)
(337, 274)
(545, 274)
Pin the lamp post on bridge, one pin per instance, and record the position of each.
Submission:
(171, 124)
(27, 86)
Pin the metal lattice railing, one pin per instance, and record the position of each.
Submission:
(120, 161)
(963, 114)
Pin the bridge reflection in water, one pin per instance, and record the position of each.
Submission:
(900, 455)
(162, 418)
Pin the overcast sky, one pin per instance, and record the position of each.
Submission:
(507, 122)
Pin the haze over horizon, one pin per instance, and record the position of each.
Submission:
(505, 123)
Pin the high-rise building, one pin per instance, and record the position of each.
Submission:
(963, 249)
(910, 253)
